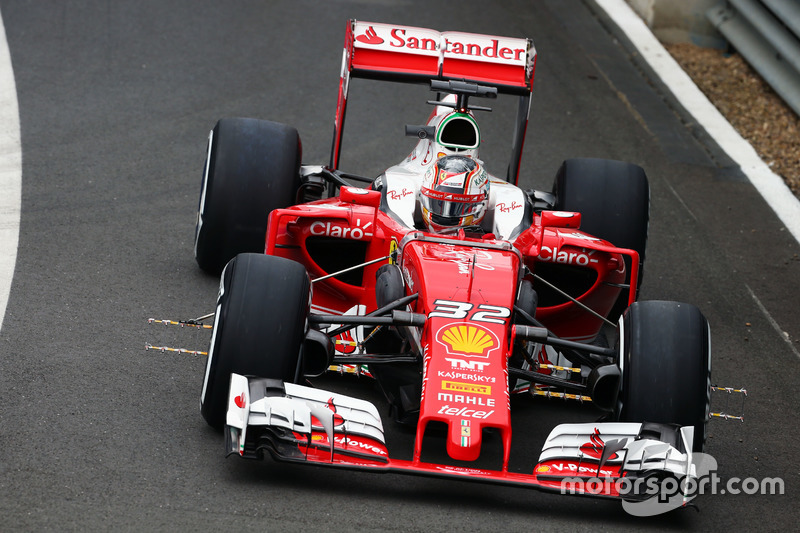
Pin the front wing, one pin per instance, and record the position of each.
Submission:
(301, 424)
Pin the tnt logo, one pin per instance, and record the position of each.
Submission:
(460, 364)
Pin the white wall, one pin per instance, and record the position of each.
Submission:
(674, 21)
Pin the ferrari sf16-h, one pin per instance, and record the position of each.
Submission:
(452, 288)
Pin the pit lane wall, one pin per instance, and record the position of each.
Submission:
(765, 32)
(680, 21)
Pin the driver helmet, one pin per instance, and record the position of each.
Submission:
(454, 193)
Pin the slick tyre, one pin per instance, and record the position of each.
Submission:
(613, 198)
(665, 362)
(252, 167)
(259, 327)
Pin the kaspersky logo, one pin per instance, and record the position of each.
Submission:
(467, 340)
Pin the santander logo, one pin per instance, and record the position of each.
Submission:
(370, 37)
(507, 50)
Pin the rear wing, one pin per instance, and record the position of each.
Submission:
(418, 55)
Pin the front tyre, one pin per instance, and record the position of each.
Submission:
(252, 167)
(665, 362)
(259, 327)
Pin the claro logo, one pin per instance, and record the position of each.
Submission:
(555, 255)
(341, 231)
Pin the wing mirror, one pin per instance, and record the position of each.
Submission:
(356, 195)
(561, 219)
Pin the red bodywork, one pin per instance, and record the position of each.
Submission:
(467, 288)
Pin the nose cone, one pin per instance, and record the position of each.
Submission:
(464, 440)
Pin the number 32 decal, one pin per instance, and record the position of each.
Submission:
(461, 310)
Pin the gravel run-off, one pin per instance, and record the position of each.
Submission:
(749, 104)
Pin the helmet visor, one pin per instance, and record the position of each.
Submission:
(446, 204)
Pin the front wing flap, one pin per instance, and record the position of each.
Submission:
(303, 424)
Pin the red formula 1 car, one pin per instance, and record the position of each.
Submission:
(452, 288)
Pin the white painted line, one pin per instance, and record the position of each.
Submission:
(771, 187)
(10, 173)
(782, 334)
(678, 197)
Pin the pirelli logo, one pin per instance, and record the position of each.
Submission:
(469, 388)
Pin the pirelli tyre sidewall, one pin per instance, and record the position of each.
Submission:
(259, 327)
(665, 362)
(613, 198)
(252, 167)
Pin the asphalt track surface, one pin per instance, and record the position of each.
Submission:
(116, 100)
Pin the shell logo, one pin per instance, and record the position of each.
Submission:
(467, 340)
(542, 468)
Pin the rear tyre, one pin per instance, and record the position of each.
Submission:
(259, 327)
(613, 198)
(665, 361)
(252, 167)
